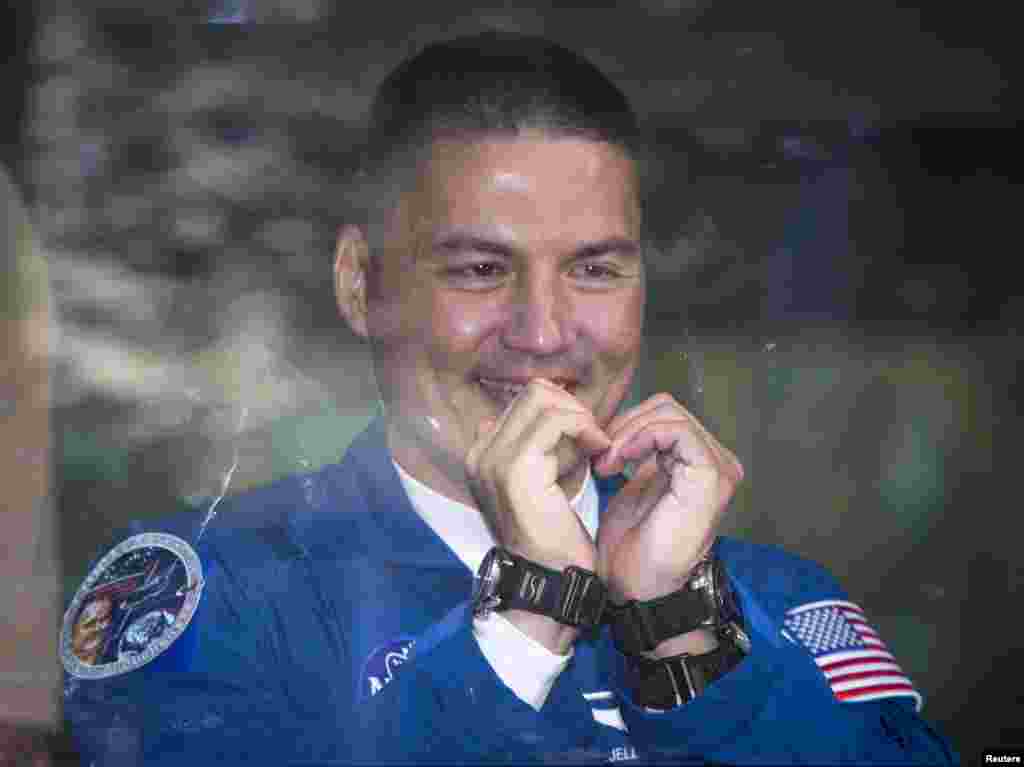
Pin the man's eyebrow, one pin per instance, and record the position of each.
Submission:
(620, 245)
(456, 242)
(461, 241)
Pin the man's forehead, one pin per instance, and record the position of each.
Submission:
(515, 153)
(525, 175)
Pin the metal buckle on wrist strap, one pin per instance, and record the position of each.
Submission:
(691, 690)
(576, 585)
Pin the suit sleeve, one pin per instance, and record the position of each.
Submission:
(217, 696)
(255, 691)
(777, 706)
(264, 680)
(449, 706)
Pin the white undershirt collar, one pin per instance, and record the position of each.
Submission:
(462, 527)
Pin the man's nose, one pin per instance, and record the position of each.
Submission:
(540, 317)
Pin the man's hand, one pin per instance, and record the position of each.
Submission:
(666, 517)
(514, 470)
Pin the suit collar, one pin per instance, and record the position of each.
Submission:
(368, 511)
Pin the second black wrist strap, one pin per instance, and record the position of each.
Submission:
(668, 682)
(639, 627)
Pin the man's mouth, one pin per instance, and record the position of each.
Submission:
(503, 391)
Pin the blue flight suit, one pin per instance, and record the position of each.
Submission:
(334, 627)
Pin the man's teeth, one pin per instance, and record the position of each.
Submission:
(511, 388)
(515, 388)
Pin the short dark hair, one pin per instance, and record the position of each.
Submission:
(489, 83)
(497, 82)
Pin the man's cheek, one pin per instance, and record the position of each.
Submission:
(622, 330)
(465, 327)
(397, 317)
(462, 326)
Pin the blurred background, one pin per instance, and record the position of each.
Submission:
(835, 291)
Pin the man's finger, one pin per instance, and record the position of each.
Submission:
(485, 432)
(568, 435)
(619, 422)
(676, 436)
(662, 407)
(537, 395)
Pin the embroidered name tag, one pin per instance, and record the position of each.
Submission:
(132, 606)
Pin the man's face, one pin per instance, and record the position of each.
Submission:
(90, 629)
(510, 259)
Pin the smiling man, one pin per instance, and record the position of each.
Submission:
(497, 270)
(511, 258)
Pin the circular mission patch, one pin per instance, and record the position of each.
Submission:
(131, 607)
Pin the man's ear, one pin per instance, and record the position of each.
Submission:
(351, 264)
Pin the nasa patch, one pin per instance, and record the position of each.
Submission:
(138, 599)
(382, 664)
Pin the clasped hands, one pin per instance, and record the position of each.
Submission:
(655, 529)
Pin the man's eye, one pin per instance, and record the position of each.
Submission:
(599, 272)
(480, 272)
(485, 270)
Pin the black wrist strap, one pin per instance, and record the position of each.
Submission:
(668, 682)
(641, 626)
(574, 596)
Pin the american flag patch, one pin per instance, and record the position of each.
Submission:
(849, 652)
